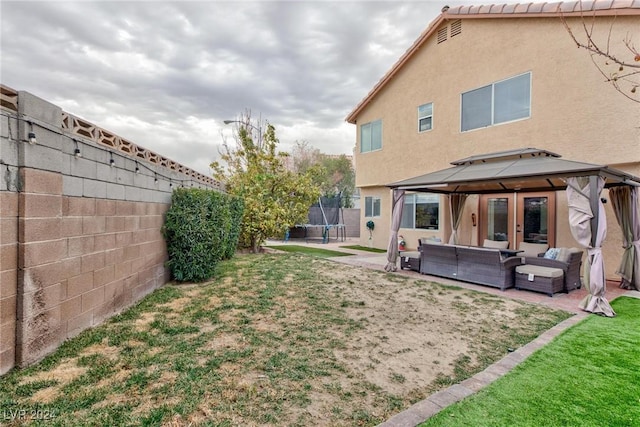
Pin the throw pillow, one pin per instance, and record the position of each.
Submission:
(552, 253)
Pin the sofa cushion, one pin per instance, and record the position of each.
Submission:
(565, 254)
(537, 270)
(532, 249)
(495, 244)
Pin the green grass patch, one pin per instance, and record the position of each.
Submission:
(308, 250)
(588, 376)
(365, 248)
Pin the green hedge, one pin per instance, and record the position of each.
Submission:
(202, 227)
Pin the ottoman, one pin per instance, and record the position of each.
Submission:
(410, 260)
(540, 279)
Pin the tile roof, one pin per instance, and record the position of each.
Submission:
(514, 10)
(544, 8)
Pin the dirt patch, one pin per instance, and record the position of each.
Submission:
(142, 323)
(232, 341)
(231, 315)
(177, 305)
(62, 374)
(414, 331)
(102, 349)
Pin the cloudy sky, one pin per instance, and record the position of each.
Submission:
(165, 75)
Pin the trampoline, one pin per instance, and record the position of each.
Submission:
(326, 215)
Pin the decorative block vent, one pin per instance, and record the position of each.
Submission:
(77, 126)
(442, 34)
(456, 27)
(8, 98)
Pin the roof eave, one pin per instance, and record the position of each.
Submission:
(351, 118)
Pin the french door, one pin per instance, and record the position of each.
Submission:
(518, 217)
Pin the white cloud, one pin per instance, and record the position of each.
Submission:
(164, 75)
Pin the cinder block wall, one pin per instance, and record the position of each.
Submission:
(352, 221)
(81, 235)
(8, 277)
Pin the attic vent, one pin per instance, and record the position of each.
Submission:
(456, 28)
(442, 34)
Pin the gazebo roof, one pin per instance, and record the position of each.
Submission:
(526, 169)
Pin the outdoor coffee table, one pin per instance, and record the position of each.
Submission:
(510, 252)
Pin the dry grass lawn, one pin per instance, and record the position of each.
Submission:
(275, 339)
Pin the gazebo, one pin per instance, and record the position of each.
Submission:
(530, 170)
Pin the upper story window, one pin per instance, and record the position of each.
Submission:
(500, 102)
(371, 206)
(421, 210)
(425, 117)
(371, 136)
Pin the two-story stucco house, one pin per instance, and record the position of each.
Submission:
(493, 78)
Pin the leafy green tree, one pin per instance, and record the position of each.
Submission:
(332, 174)
(340, 176)
(275, 198)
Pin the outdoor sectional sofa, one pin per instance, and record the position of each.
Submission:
(484, 266)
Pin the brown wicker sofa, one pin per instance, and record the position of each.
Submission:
(438, 260)
(484, 266)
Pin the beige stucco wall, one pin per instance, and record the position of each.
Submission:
(574, 113)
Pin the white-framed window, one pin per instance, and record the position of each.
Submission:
(371, 136)
(421, 210)
(500, 102)
(425, 117)
(371, 206)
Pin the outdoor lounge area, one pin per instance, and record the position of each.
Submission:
(499, 268)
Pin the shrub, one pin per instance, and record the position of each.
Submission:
(201, 228)
(236, 210)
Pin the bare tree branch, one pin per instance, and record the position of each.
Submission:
(621, 70)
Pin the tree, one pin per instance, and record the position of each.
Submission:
(274, 198)
(617, 60)
(332, 174)
(305, 156)
(341, 178)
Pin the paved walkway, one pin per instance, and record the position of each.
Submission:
(423, 410)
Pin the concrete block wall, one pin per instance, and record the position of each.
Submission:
(8, 277)
(8, 241)
(352, 221)
(81, 235)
